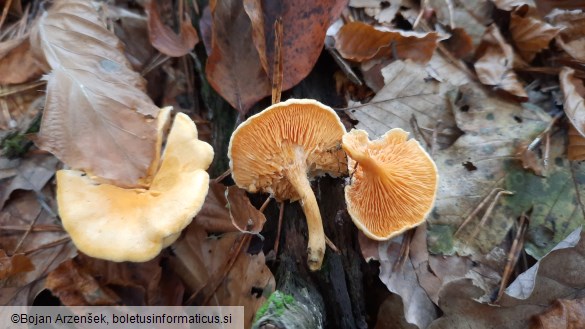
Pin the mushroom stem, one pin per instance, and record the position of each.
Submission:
(366, 161)
(316, 244)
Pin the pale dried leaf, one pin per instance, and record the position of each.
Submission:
(494, 66)
(409, 91)
(472, 15)
(509, 5)
(571, 38)
(97, 116)
(574, 103)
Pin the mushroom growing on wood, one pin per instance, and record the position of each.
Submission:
(118, 224)
(393, 184)
(280, 150)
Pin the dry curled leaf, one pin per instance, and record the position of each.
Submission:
(563, 314)
(11, 265)
(97, 116)
(164, 39)
(17, 64)
(574, 103)
(305, 24)
(460, 43)
(219, 270)
(361, 42)
(531, 35)
(233, 67)
(495, 62)
(571, 38)
(576, 147)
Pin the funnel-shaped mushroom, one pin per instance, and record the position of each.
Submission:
(113, 223)
(281, 149)
(394, 183)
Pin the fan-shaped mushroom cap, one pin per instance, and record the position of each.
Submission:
(109, 222)
(393, 186)
(288, 134)
(280, 149)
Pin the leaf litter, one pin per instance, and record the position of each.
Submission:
(492, 89)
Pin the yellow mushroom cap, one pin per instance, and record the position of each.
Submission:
(394, 184)
(118, 224)
(297, 132)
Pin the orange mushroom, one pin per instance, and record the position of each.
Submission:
(393, 184)
(281, 149)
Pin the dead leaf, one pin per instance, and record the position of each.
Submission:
(164, 39)
(76, 287)
(529, 159)
(531, 35)
(563, 314)
(509, 5)
(546, 6)
(574, 103)
(93, 95)
(233, 67)
(550, 279)
(33, 173)
(219, 271)
(409, 91)
(471, 15)
(572, 25)
(495, 63)
(576, 147)
(360, 42)
(244, 216)
(382, 11)
(460, 43)
(17, 64)
(11, 265)
(305, 24)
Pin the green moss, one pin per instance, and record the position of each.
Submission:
(276, 304)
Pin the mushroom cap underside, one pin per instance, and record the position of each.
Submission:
(298, 135)
(393, 186)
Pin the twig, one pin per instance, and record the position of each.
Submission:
(331, 245)
(26, 233)
(277, 69)
(404, 250)
(513, 255)
(48, 245)
(5, 12)
(279, 228)
(35, 228)
(477, 209)
(265, 204)
(488, 212)
(223, 176)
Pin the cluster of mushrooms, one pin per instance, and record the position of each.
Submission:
(278, 151)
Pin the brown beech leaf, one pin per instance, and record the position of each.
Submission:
(164, 39)
(233, 67)
(529, 158)
(531, 35)
(305, 24)
(495, 64)
(571, 38)
(219, 271)
(17, 64)
(17, 263)
(576, 147)
(97, 116)
(360, 42)
(243, 214)
(229, 210)
(460, 43)
(563, 314)
(574, 104)
(75, 287)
